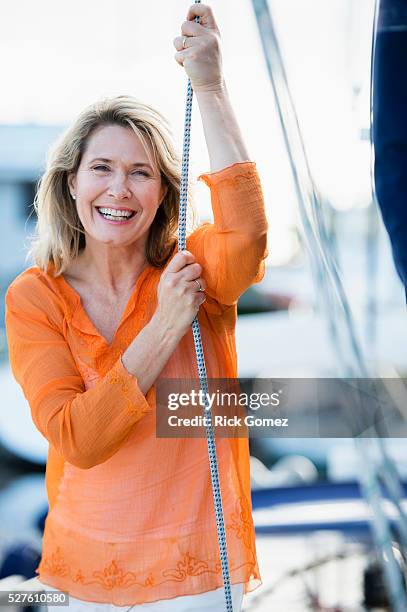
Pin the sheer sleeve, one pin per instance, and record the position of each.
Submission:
(86, 427)
(232, 250)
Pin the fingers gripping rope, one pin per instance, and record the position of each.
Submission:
(213, 464)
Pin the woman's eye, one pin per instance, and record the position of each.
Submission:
(103, 168)
(140, 172)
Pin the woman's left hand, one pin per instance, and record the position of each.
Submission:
(198, 49)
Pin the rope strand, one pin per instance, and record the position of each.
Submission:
(203, 381)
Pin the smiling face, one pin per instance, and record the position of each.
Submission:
(116, 187)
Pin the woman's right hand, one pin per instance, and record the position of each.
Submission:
(178, 294)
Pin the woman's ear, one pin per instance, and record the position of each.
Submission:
(72, 184)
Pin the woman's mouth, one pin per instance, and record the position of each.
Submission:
(116, 216)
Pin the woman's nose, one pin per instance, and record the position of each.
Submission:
(118, 187)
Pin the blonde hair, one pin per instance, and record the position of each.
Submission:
(59, 234)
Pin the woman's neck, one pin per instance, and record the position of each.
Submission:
(116, 269)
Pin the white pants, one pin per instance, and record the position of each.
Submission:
(212, 600)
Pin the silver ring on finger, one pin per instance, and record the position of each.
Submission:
(199, 285)
(184, 40)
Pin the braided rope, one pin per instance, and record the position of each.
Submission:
(203, 381)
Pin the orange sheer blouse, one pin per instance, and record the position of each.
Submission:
(131, 517)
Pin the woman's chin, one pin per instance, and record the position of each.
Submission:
(115, 239)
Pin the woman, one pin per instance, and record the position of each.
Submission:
(104, 314)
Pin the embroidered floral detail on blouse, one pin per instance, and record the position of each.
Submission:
(113, 576)
(114, 378)
(55, 565)
(89, 375)
(189, 566)
(79, 577)
(149, 581)
(117, 379)
(242, 522)
(237, 181)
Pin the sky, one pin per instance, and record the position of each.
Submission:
(59, 57)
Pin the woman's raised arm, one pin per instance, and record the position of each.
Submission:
(198, 50)
(232, 250)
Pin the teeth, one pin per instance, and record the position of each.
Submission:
(116, 213)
